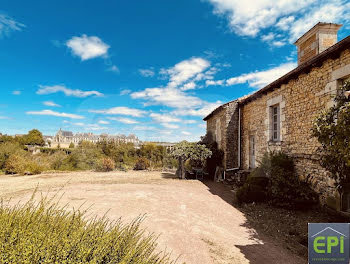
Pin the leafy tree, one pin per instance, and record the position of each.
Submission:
(34, 137)
(217, 157)
(193, 151)
(332, 129)
(71, 145)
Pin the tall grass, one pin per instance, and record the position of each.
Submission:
(47, 233)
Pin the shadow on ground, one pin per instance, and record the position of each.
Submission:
(269, 245)
(169, 175)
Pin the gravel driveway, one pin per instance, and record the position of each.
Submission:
(194, 220)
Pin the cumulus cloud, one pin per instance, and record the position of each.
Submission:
(51, 103)
(120, 111)
(185, 70)
(8, 25)
(87, 47)
(260, 79)
(124, 120)
(185, 133)
(68, 92)
(291, 18)
(53, 113)
(164, 118)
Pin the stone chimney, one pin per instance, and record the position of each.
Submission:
(317, 39)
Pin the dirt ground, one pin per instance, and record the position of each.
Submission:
(195, 220)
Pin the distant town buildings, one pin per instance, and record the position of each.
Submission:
(65, 138)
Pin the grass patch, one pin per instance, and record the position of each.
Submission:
(44, 232)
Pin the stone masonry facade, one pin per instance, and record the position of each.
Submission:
(280, 116)
(301, 100)
(223, 126)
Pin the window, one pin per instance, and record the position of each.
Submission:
(275, 123)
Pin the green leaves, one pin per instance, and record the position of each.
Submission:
(332, 129)
(46, 233)
(193, 151)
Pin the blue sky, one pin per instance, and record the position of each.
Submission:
(153, 68)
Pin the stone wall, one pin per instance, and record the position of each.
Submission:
(301, 101)
(227, 119)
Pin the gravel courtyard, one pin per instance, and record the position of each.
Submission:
(195, 220)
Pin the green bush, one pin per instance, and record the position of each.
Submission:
(275, 181)
(254, 189)
(105, 164)
(47, 233)
(7, 149)
(142, 164)
(23, 165)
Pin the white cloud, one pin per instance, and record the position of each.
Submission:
(185, 133)
(249, 17)
(212, 82)
(4, 117)
(189, 121)
(88, 127)
(164, 118)
(170, 126)
(171, 97)
(291, 18)
(285, 23)
(87, 47)
(16, 92)
(147, 72)
(203, 111)
(188, 86)
(121, 110)
(50, 103)
(8, 24)
(144, 128)
(332, 11)
(202, 125)
(114, 69)
(52, 113)
(260, 79)
(185, 70)
(103, 122)
(68, 92)
(124, 120)
(125, 92)
(184, 76)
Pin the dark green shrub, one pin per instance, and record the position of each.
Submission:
(105, 164)
(47, 233)
(142, 164)
(216, 159)
(254, 189)
(275, 181)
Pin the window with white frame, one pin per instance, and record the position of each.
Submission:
(275, 123)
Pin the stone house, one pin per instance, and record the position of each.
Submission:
(280, 116)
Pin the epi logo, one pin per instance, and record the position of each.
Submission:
(328, 243)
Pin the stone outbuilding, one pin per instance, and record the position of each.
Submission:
(280, 116)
